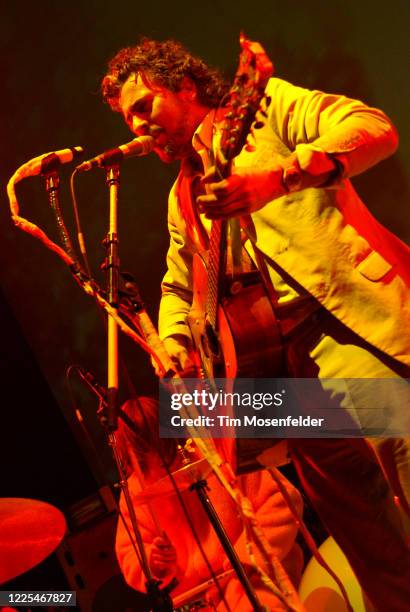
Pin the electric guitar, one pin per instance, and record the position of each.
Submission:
(233, 326)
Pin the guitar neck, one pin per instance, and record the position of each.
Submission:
(242, 104)
(216, 267)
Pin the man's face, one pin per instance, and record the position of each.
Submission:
(144, 107)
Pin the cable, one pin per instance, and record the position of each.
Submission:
(80, 235)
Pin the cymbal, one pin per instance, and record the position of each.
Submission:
(30, 530)
(184, 478)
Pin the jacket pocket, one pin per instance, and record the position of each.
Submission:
(373, 266)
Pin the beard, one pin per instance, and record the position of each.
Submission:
(178, 146)
(176, 150)
(179, 142)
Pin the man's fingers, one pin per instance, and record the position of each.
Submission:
(185, 365)
(221, 193)
(210, 176)
(162, 541)
(224, 186)
(163, 551)
(180, 351)
(224, 207)
(221, 188)
(206, 199)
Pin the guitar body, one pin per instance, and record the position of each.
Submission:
(247, 342)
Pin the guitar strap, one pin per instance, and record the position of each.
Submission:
(293, 317)
(263, 269)
(235, 248)
(247, 225)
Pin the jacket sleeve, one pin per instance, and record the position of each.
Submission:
(125, 551)
(317, 125)
(272, 512)
(177, 283)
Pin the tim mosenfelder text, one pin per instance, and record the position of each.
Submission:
(212, 401)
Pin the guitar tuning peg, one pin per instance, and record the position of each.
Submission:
(249, 147)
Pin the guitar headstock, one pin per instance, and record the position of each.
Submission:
(244, 97)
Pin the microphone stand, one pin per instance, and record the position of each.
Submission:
(111, 266)
(201, 487)
(159, 598)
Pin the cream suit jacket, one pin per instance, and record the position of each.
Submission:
(324, 239)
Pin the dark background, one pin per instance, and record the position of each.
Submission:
(53, 55)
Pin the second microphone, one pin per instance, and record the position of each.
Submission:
(135, 148)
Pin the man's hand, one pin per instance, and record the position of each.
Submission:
(179, 348)
(244, 192)
(163, 558)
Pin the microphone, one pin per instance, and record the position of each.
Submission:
(135, 148)
(47, 162)
(92, 383)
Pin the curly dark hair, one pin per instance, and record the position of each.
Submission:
(166, 64)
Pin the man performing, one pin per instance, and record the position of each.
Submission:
(338, 279)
